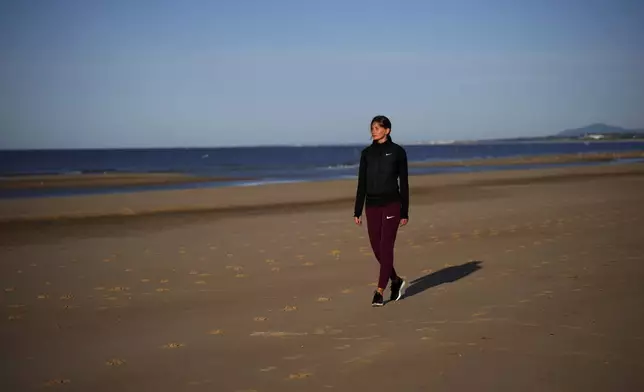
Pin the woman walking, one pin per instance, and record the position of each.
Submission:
(383, 189)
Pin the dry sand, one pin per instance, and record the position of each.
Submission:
(521, 281)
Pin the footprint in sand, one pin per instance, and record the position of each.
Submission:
(269, 261)
(268, 369)
(43, 296)
(326, 330)
(56, 381)
(118, 289)
(275, 269)
(173, 345)
(299, 376)
(67, 297)
(289, 308)
(145, 280)
(162, 290)
(203, 382)
(115, 362)
(335, 253)
(323, 299)
(278, 334)
(346, 291)
(9, 289)
(216, 332)
(260, 318)
(164, 281)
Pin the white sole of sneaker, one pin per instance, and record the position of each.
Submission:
(400, 292)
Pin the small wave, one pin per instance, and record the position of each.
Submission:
(268, 182)
(341, 167)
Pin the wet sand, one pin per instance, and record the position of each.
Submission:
(526, 280)
(536, 159)
(98, 180)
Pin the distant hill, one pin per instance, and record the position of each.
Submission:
(598, 129)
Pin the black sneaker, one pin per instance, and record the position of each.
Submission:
(377, 299)
(396, 289)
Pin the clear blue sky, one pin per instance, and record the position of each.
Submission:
(115, 73)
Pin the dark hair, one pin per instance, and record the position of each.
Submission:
(382, 121)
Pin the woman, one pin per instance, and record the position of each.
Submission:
(382, 165)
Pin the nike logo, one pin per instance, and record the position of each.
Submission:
(388, 154)
(389, 217)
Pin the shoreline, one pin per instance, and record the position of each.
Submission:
(283, 197)
(535, 159)
(119, 180)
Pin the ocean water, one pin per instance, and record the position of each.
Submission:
(246, 166)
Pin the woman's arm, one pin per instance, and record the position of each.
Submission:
(362, 186)
(404, 185)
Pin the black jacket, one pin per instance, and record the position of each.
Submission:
(381, 166)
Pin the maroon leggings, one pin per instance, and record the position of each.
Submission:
(382, 225)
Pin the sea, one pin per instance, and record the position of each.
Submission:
(256, 166)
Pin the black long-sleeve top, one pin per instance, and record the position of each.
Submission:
(383, 177)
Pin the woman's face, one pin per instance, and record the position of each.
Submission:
(378, 133)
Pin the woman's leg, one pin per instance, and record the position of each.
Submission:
(388, 230)
(374, 226)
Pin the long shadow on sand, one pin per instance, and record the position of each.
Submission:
(446, 275)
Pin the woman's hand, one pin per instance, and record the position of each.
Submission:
(403, 222)
(358, 220)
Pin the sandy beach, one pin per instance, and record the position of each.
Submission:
(519, 280)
